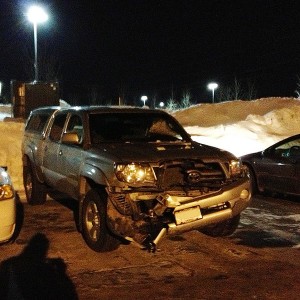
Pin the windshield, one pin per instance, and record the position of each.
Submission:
(135, 127)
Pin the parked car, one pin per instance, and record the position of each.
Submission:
(7, 207)
(277, 168)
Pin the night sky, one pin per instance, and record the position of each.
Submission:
(155, 47)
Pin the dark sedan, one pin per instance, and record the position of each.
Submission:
(277, 168)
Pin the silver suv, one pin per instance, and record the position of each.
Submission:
(136, 174)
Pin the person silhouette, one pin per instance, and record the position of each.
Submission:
(31, 275)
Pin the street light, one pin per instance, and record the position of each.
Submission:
(36, 15)
(144, 99)
(212, 86)
(161, 104)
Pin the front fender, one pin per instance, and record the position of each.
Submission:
(95, 174)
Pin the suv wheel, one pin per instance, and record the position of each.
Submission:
(225, 228)
(35, 191)
(94, 228)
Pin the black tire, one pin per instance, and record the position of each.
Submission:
(94, 226)
(225, 228)
(34, 190)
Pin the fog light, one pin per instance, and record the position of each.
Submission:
(244, 194)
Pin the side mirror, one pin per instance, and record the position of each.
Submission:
(70, 138)
(264, 153)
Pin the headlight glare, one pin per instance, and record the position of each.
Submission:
(235, 167)
(134, 173)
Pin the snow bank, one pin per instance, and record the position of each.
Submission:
(230, 112)
(11, 133)
(254, 133)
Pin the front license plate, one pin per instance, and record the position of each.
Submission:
(188, 215)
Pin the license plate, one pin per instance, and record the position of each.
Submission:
(188, 215)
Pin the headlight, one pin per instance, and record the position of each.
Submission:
(235, 167)
(6, 191)
(134, 173)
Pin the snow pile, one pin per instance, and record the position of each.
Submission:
(240, 127)
(243, 127)
(11, 133)
(207, 115)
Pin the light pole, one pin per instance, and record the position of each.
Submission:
(36, 15)
(144, 99)
(212, 86)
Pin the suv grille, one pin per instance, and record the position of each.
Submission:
(189, 175)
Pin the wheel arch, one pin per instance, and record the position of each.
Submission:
(253, 178)
(29, 161)
(87, 184)
(96, 196)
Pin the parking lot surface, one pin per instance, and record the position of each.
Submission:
(260, 261)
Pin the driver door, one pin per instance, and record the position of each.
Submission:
(70, 157)
(277, 171)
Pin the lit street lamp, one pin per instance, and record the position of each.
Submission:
(144, 99)
(36, 15)
(161, 104)
(212, 86)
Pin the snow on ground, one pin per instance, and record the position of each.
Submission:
(240, 127)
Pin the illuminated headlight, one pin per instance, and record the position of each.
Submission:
(134, 173)
(235, 167)
(6, 191)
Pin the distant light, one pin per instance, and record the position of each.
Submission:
(212, 86)
(161, 104)
(144, 99)
(0, 88)
(36, 14)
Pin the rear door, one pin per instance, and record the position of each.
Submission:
(50, 151)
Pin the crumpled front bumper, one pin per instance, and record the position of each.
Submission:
(175, 214)
(189, 216)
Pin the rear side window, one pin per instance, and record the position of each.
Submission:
(37, 123)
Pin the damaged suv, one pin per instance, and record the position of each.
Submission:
(136, 174)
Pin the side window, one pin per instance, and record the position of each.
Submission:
(291, 148)
(57, 127)
(75, 125)
(37, 123)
